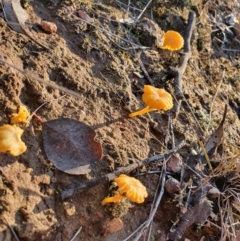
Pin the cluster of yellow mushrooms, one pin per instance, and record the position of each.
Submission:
(10, 135)
(154, 98)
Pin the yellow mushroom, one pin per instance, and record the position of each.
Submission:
(172, 40)
(129, 187)
(21, 116)
(155, 99)
(10, 140)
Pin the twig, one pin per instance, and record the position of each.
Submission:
(178, 72)
(112, 34)
(152, 206)
(143, 68)
(76, 234)
(12, 230)
(30, 75)
(135, 231)
(170, 127)
(126, 5)
(156, 205)
(129, 2)
(214, 98)
(205, 155)
(45, 103)
(111, 176)
(233, 50)
(140, 15)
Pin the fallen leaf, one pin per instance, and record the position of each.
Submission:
(16, 17)
(85, 16)
(14, 14)
(216, 138)
(70, 145)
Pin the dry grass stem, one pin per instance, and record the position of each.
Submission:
(30, 75)
(76, 234)
(214, 99)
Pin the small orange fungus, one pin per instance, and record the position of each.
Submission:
(129, 187)
(21, 116)
(155, 99)
(10, 140)
(172, 40)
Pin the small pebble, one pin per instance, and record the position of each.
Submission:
(49, 27)
(172, 186)
(112, 226)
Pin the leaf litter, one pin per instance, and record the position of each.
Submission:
(16, 18)
(70, 145)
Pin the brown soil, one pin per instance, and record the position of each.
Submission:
(84, 59)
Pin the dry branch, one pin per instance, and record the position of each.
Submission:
(178, 72)
(111, 176)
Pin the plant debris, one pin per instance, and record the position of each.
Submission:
(16, 17)
(70, 145)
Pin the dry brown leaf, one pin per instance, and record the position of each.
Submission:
(216, 138)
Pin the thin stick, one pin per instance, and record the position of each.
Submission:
(205, 154)
(140, 15)
(156, 205)
(144, 69)
(45, 103)
(187, 54)
(233, 50)
(30, 75)
(76, 234)
(111, 176)
(153, 204)
(12, 230)
(129, 3)
(170, 126)
(135, 231)
(214, 98)
(112, 34)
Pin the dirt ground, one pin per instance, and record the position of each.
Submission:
(109, 80)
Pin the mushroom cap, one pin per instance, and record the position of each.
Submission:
(157, 98)
(10, 140)
(21, 116)
(131, 188)
(172, 40)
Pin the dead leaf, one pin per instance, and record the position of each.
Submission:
(85, 16)
(216, 138)
(70, 145)
(175, 163)
(14, 20)
(16, 17)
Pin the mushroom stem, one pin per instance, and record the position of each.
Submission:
(117, 198)
(141, 112)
